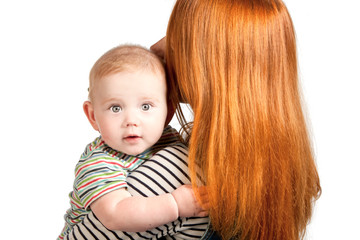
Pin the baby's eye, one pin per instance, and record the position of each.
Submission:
(146, 107)
(115, 109)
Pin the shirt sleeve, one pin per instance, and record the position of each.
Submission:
(96, 176)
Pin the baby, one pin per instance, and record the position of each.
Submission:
(128, 106)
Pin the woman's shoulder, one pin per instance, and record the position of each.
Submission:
(162, 173)
(176, 149)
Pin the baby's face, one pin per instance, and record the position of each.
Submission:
(130, 109)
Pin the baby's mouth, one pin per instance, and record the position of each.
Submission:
(132, 138)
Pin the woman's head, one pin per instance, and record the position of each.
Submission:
(214, 43)
(234, 62)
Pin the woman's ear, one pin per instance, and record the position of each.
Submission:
(90, 114)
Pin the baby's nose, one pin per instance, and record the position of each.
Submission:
(131, 119)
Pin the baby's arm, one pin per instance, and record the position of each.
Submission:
(118, 210)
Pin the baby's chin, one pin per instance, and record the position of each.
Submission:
(135, 151)
(133, 147)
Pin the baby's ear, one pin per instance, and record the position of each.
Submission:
(90, 114)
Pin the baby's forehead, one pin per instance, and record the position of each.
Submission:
(137, 85)
(150, 74)
(138, 77)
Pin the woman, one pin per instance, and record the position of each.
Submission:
(234, 62)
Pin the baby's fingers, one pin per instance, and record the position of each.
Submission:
(203, 213)
(205, 203)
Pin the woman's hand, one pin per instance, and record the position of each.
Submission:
(159, 48)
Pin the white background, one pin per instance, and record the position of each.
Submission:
(47, 49)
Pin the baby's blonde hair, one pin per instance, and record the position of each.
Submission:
(121, 58)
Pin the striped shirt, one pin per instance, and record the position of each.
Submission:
(101, 170)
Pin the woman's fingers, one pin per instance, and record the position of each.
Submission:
(159, 48)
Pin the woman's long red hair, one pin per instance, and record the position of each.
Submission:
(235, 63)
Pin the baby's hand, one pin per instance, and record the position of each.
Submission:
(187, 204)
